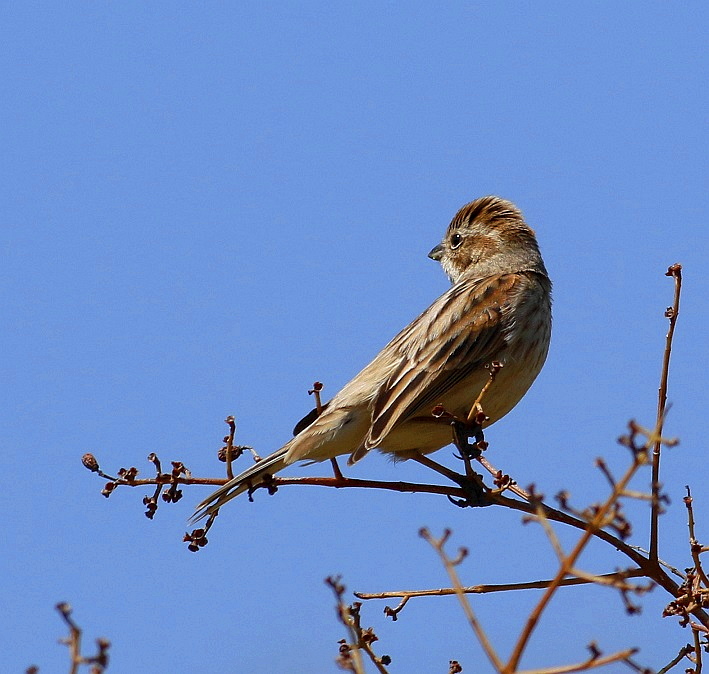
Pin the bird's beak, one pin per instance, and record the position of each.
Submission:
(437, 252)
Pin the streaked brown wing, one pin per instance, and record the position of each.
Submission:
(459, 333)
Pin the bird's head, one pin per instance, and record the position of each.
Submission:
(488, 236)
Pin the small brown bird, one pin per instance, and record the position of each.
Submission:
(498, 309)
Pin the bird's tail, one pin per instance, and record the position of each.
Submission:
(241, 483)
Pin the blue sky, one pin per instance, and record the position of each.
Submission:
(206, 207)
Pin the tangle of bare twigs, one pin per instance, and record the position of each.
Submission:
(605, 521)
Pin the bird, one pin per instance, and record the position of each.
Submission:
(497, 310)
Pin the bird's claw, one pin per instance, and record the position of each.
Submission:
(476, 495)
(462, 432)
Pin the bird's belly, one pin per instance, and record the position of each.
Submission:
(424, 433)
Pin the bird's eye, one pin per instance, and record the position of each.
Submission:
(456, 240)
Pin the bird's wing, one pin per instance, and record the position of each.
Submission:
(309, 418)
(461, 332)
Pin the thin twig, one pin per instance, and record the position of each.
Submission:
(317, 387)
(230, 447)
(73, 641)
(697, 652)
(477, 408)
(361, 639)
(315, 391)
(591, 663)
(675, 271)
(661, 562)
(439, 545)
(694, 546)
(683, 653)
(358, 483)
(437, 467)
(501, 587)
(551, 534)
(593, 526)
(513, 486)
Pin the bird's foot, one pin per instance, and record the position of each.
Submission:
(476, 494)
(463, 431)
(472, 483)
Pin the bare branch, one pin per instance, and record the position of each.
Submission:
(405, 595)
(361, 639)
(99, 661)
(592, 663)
(592, 527)
(672, 313)
(683, 653)
(438, 544)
